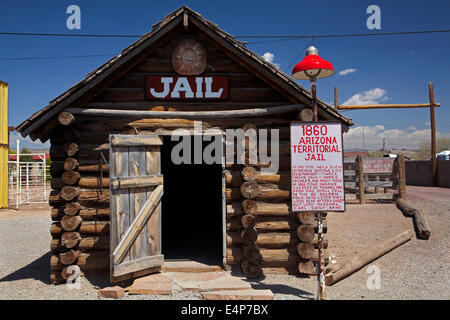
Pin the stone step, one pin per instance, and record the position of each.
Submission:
(238, 295)
(152, 284)
(225, 282)
(188, 266)
(196, 276)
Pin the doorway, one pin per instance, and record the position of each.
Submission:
(192, 208)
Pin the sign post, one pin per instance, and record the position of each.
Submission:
(317, 176)
(311, 68)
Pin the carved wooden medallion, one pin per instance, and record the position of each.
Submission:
(189, 57)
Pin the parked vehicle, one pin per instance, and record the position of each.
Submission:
(444, 155)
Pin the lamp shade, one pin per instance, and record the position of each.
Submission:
(312, 66)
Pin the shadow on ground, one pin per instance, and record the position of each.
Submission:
(39, 270)
(282, 289)
(275, 288)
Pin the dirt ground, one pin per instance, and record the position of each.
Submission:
(418, 269)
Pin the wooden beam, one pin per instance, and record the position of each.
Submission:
(386, 106)
(185, 21)
(127, 140)
(136, 182)
(358, 261)
(189, 114)
(433, 135)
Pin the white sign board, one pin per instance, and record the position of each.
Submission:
(317, 174)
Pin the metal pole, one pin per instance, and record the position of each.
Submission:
(433, 135)
(314, 96)
(45, 177)
(18, 173)
(321, 295)
(28, 182)
(321, 265)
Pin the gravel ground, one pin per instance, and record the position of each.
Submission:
(418, 269)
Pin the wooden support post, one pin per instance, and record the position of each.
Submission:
(362, 196)
(335, 98)
(386, 190)
(433, 136)
(378, 189)
(401, 177)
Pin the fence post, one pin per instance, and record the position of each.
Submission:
(362, 195)
(401, 177)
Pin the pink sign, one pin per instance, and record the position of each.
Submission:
(317, 175)
(378, 165)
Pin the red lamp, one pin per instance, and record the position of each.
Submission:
(312, 67)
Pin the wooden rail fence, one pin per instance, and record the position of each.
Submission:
(373, 178)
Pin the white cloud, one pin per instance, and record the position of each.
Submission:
(347, 71)
(372, 96)
(395, 138)
(412, 128)
(270, 57)
(26, 142)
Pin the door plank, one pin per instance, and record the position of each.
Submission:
(122, 197)
(138, 265)
(136, 182)
(153, 167)
(137, 225)
(138, 197)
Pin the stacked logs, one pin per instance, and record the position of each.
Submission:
(308, 245)
(251, 264)
(80, 227)
(249, 189)
(261, 223)
(286, 242)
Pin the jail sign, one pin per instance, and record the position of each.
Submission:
(317, 175)
(189, 87)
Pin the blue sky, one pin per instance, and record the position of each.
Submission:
(391, 69)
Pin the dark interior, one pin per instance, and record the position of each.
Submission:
(191, 208)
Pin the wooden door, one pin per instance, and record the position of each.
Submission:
(136, 188)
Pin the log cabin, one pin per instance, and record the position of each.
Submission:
(122, 207)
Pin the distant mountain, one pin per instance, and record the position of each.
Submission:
(355, 150)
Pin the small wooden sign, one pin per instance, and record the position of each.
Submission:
(189, 87)
(378, 165)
